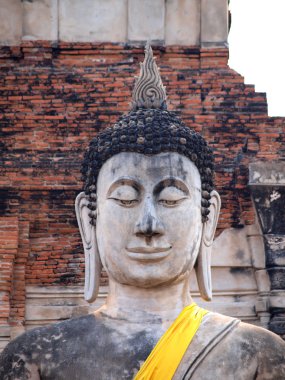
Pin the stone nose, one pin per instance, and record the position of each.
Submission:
(148, 223)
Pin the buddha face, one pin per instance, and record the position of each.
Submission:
(149, 224)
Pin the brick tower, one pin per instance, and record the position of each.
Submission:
(67, 71)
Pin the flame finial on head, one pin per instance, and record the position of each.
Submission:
(149, 91)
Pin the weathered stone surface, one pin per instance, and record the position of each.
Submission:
(68, 350)
(234, 279)
(10, 22)
(176, 22)
(230, 358)
(93, 20)
(152, 192)
(17, 330)
(267, 180)
(214, 22)
(40, 20)
(57, 352)
(4, 342)
(275, 250)
(277, 278)
(146, 227)
(46, 305)
(5, 336)
(182, 22)
(277, 299)
(43, 302)
(277, 319)
(256, 244)
(146, 20)
(231, 249)
(267, 173)
(173, 22)
(263, 281)
(269, 202)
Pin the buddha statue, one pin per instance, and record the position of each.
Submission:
(148, 215)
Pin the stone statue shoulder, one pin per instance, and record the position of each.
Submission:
(33, 354)
(226, 348)
(260, 349)
(81, 348)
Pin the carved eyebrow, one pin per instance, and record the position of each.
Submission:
(124, 181)
(171, 182)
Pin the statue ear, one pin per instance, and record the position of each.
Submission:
(93, 264)
(203, 263)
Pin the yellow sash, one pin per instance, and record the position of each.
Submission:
(165, 357)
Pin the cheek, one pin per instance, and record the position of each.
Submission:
(182, 223)
(112, 234)
(114, 225)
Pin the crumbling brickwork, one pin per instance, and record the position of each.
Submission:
(54, 99)
(9, 237)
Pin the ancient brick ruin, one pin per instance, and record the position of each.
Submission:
(55, 96)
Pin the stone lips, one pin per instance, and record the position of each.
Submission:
(148, 131)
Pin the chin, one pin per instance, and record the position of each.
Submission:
(153, 278)
(147, 283)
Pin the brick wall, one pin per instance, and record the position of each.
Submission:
(9, 237)
(55, 98)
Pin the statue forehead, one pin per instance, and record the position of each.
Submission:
(149, 168)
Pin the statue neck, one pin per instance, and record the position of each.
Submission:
(161, 304)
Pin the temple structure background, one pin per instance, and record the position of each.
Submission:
(67, 71)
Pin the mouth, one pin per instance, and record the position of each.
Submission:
(148, 253)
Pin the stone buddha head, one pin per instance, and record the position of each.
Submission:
(148, 212)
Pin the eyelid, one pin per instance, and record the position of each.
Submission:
(124, 181)
(126, 203)
(123, 192)
(171, 203)
(171, 197)
(122, 197)
(172, 193)
(172, 182)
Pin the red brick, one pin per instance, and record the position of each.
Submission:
(54, 99)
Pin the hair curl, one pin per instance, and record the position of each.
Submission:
(148, 131)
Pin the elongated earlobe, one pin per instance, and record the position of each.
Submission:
(203, 263)
(93, 264)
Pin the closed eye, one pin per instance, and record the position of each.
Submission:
(171, 203)
(125, 202)
(124, 195)
(171, 196)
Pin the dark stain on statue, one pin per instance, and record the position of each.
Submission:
(240, 271)
(182, 171)
(20, 370)
(240, 254)
(235, 271)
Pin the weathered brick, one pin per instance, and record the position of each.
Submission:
(55, 99)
